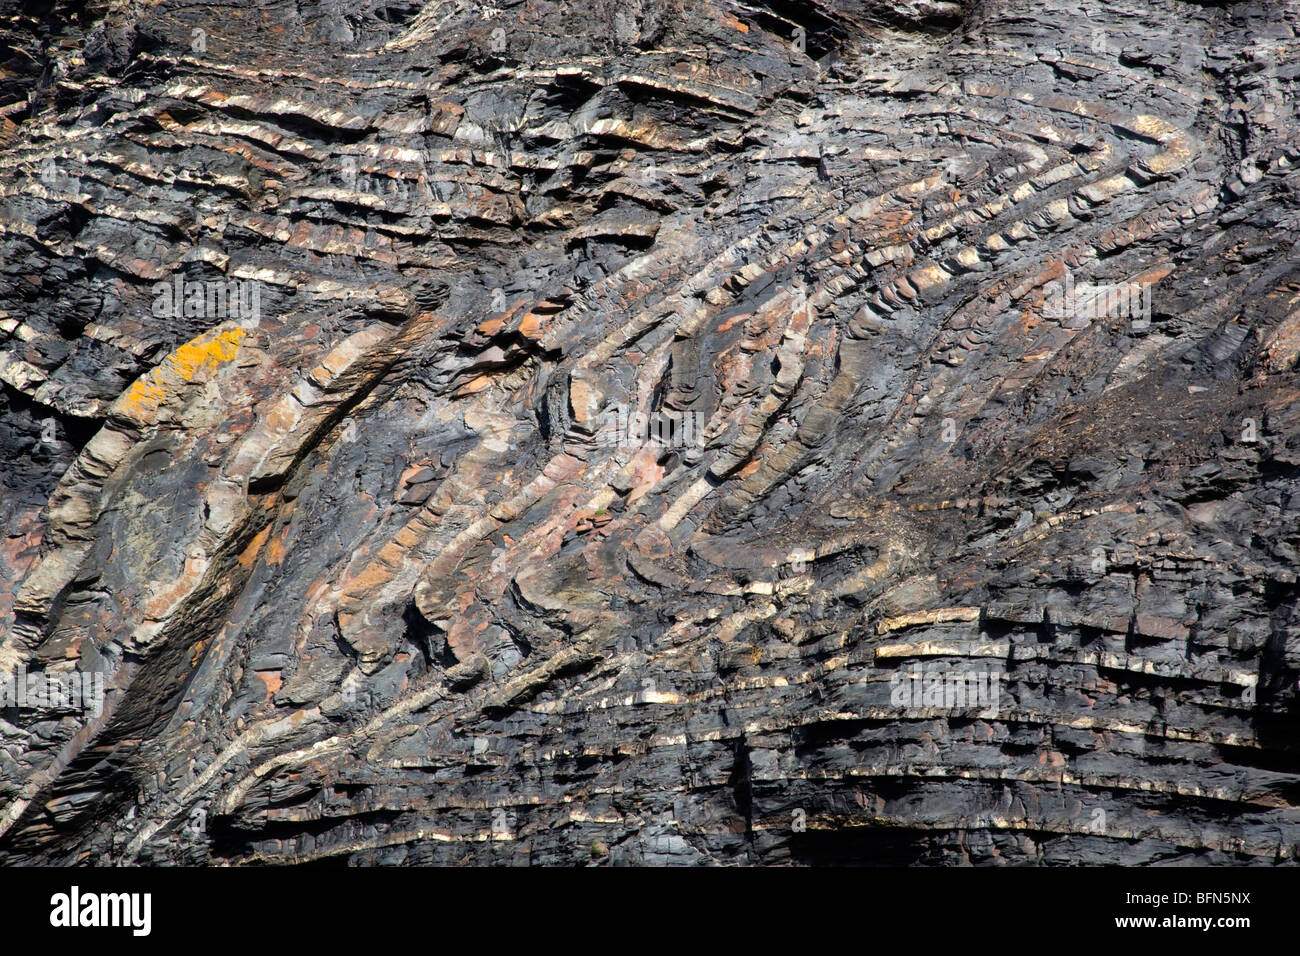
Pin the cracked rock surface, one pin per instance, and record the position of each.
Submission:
(652, 431)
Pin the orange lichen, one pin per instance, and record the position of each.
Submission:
(530, 326)
(205, 352)
(475, 385)
(492, 326)
(272, 680)
(249, 554)
(192, 356)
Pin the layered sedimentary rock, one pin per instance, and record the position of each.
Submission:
(650, 431)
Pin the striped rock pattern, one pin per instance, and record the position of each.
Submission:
(337, 343)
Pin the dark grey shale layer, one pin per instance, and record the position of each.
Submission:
(369, 583)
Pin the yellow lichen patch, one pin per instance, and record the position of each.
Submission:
(192, 356)
(145, 393)
(203, 353)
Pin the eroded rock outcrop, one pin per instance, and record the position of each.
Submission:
(711, 432)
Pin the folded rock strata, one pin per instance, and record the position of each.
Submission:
(319, 321)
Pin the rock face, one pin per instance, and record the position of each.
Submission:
(650, 432)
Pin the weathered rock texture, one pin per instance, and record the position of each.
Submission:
(369, 582)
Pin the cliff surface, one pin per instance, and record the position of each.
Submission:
(652, 431)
